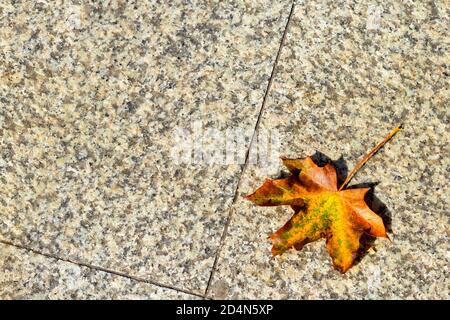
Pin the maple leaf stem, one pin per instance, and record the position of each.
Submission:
(369, 155)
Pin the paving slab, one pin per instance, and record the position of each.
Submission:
(29, 276)
(91, 95)
(349, 73)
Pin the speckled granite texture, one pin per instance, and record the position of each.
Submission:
(26, 275)
(344, 80)
(90, 94)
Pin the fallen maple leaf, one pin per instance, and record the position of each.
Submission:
(321, 209)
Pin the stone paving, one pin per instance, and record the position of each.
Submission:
(95, 205)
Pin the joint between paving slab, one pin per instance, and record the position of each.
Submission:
(101, 269)
(245, 165)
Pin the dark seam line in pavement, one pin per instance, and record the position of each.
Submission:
(261, 110)
(101, 269)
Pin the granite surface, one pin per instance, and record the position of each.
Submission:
(91, 94)
(27, 275)
(350, 72)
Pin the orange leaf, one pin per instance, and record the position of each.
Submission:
(322, 210)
